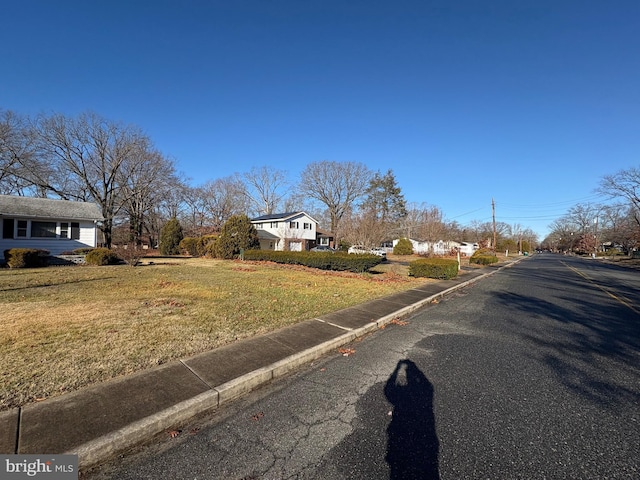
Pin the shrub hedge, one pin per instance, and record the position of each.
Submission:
(338, 261)
(102, 256)
(440, 268)
(483, 257)
(26, 257)
(198, 246)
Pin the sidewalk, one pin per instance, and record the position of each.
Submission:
(99, 421)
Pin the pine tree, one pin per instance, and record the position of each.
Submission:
(237, 234)
(170, 237)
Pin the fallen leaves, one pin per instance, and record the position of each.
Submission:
(397, 321)
(346, 351)
(257, 416)
(176, 433)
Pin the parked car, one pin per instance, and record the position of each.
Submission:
(371, 251)
(357, 249)
(323, 248)
(379, 251)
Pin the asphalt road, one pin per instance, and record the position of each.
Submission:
(531, 373)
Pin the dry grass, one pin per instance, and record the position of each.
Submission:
(62, 328)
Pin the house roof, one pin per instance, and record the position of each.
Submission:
(15, 206)
(263, 235)
(324, 233)
(281, 217)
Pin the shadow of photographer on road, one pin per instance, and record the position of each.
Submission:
(412, 445)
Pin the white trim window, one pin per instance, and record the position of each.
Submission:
(40, 229)
(22, 229)
(17, 228)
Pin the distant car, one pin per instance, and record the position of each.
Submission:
(357, 249)
(379, 251)
(371, 251)
(323, 248)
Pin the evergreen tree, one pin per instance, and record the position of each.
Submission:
(238, 233)
(170, 237)
(384, 198)
(403, 247)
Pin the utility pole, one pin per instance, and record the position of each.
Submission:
(493, 209)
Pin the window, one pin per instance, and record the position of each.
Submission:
(259, 226)
(42, 229)
(22, 228)
(293, 224)
(274, 224)
(75, 231)
(7, 227)
(64, 230)
(307, 226)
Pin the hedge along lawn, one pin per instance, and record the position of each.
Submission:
(62, 328)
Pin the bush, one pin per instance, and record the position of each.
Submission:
(237, 234)
(403, 247)
(26, 257)
(338, 261)
(439, 268)
(102, 256)
(170, 237)
(198, 246)
(189, 246)
(483, 257)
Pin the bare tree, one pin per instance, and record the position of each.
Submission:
(618, 226)
(16, 149)
(265, 189)
(81, 158)
(194, 220)
(423, 222)
(146, 179)
(624, 184)
(337, 185)
(221, 199)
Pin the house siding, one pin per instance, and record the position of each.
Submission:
(284, 236)
(55, 246)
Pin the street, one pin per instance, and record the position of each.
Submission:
(531, 373)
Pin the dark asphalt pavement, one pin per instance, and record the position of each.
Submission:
(531, 373)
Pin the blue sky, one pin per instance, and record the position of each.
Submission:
(528, 102)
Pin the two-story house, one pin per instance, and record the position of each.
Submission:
(294, 231)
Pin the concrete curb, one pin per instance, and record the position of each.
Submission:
(100, 449)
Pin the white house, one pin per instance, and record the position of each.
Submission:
(468, 249)
(46, 224)
(295, 231)
(437, 248)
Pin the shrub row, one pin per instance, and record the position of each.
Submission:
(102, 256)
(483, 257)
(198, 246)
(440, 268)
(25, 257)
(338, 261)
